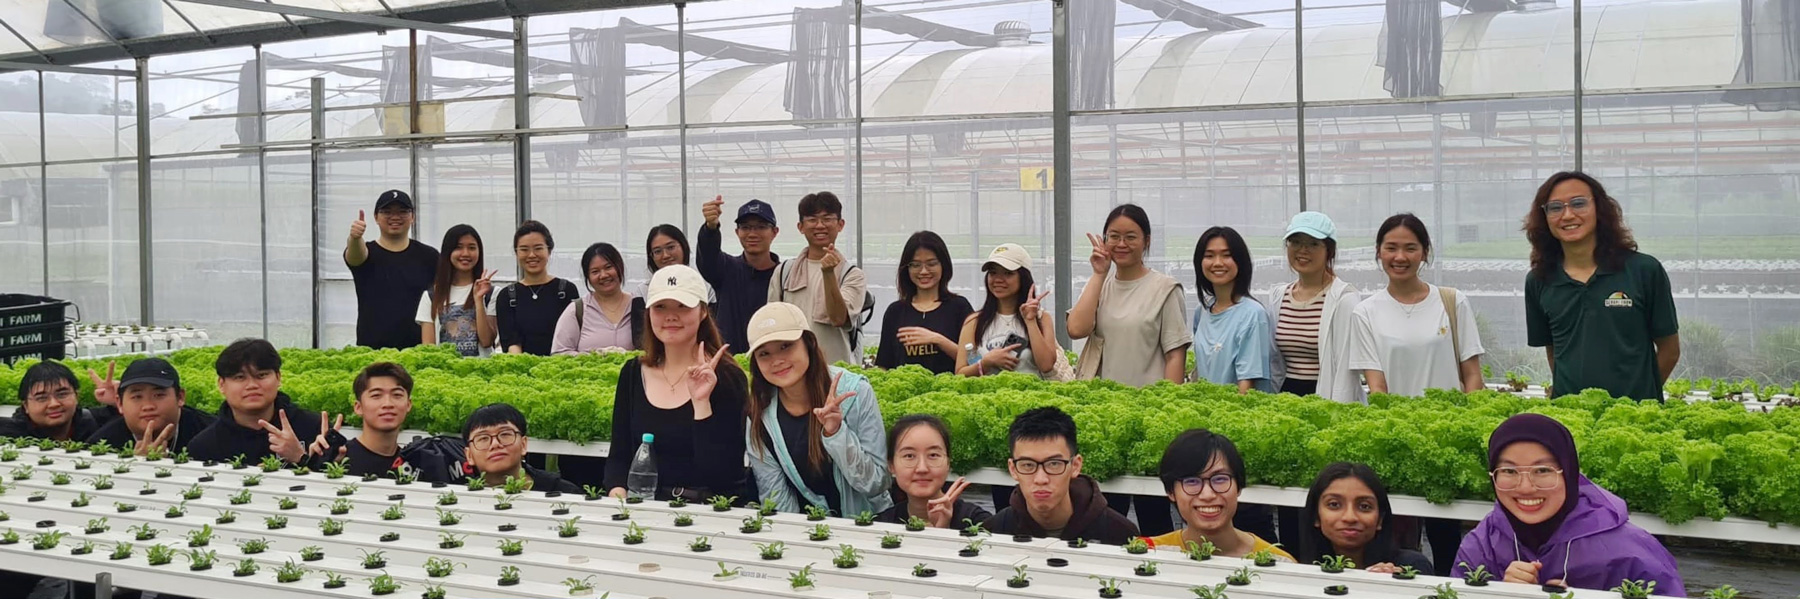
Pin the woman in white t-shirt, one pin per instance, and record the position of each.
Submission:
(1413, 336)
(459, 308)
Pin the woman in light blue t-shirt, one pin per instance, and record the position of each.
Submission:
(1233, 340)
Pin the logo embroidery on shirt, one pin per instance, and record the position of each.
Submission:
(1618, 300)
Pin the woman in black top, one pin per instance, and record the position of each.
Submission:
(919, 458)
(683, 392)
(1347, 513)
(529, 308)
(923, 326)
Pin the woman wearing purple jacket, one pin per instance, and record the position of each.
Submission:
(1542, 534)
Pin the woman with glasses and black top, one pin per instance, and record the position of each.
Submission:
(528, 309)
(921, 327)
(919, 459)
(1553, 526)
(1603, 311)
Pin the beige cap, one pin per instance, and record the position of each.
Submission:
(1010, 256)
(776, 321)
(678, 282)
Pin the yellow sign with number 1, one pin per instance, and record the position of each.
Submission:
(1037, 178)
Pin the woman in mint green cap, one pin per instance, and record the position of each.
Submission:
(1313, 316)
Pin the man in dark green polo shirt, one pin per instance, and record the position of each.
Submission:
(1604, 312)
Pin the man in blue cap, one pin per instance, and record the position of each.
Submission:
(153, 410)
(742, 281)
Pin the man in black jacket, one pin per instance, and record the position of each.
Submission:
(1053, 498)
(383, 399)
(47, 406)
(742, 282)
(497, 445)
(153, 410)
(257, 420)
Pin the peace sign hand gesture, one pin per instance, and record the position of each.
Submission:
(154, 438)
(1100, 260)
(319, 445)
(703, 376)
(831, 417)
(484, 285)
(940, 510)
(1032, 308)
(282, 441)
(105, 391)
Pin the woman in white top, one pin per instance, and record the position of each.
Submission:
(1134, 319)
(459, 309)
(1010, 332)
(1312, 316)
(1415, 336)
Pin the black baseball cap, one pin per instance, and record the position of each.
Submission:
(756, 209)
(394, 196)
(154, 371)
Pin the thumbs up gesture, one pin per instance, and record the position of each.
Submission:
(361, 226)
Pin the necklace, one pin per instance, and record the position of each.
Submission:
(665, 378)
(534, 288)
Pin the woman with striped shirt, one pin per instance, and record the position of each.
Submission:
(1313, 316)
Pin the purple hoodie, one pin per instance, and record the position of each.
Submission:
(1595, 548)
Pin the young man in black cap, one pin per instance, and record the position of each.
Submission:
(742, 282)
(47, 406)
(391, 273)
(257, 419)
(153, 410)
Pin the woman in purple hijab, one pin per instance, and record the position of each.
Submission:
(1551, 525)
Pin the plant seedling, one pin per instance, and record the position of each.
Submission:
(276, 522)
(290, 572)
(405, 478)
(579, 586)
(509, 575)
(754, 524)
(182, 457)
(890, 541)
(97, 526)
(700, 545)
(336, 470)
(341, 507)
(22, 473)
(1635, 589)
(503, 501)
(159, 555)
(83, 464)
(821, 532)
(383, 585)
(143, 532)
(684, 520)
(38, 496)
(1406, 573)
(476, 483)
(916, 524)
(331, 527)
(288, 503)
(1263, 558)
(592, 493)
(193, 493)
(9, 455)
(1019, 579)
(1145, 569)
(246, 567)
(312, 553)
(1213, 592)
(201, 537)
(271, 463)
(1335, 564)
(1109, 587)
(176, 511)
(394, 512)
(847, 557)
(59, 479)
(100, 449)
(241, 498)
(726, 573)
(437, 567)
(1337, 589)
(1475, 576)
(301, 471)
(1241, 576)
(253, 546)
(768, 507)
(435, 591)
(802, 579)
(101, 482)
(1442, 591)
(567, 528)
(448, 498)
(347, 490)
(450, 541)
(624, 513)
(389, 537)
(634, 534)
(1724, 592)
(1199, 551)
(815, 513)
(374, 560)
(226, 517)
(45, 541)
(124, 508)
(974, 529)
(1137, 546)
(333, 580)
(721, 503)
(448, 518)
(165, 472)
(514, 485)
(771, 551)
(973, 548)
(678, 502)
(1078, 543)
(253, 480)
(511, 547)
(10, 537)
(81, 500)
(84, 548)
(121, 551)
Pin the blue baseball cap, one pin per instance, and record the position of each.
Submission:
(1314, 224)
(756, 209)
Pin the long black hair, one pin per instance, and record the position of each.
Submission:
(991, 308)
(1240, 254)
(672, 232)
(818, 382)
(446, 271)
(929, 241)
(1314, 546)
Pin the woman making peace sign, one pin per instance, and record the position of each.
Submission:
(815, 431)
(683, 393)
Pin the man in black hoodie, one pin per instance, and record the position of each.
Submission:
(1053, 498)
(496, 451)
(153, 410)
(47, 406)
(257, 419)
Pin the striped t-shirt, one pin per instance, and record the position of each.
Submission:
(1297, 334)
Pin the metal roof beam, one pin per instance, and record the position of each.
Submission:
(8, 66)
(349, 17)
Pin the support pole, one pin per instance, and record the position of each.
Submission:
(318, 183)
(146, 268)
(1061, 173)
(681, 103)
(43, 183)
(1580, 136)
(262, 184)
(1300, 96)
(856, 81)
(521, 120)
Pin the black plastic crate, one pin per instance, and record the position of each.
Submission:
(40, 351)
(16, 337)
(19, 310)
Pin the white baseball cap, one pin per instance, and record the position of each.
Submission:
(1010, 256)
(776, 321)
(678, 282)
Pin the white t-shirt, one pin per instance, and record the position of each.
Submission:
(458, 295)
(1410, 344)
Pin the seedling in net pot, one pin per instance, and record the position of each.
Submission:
(678, 502)
(403, 477)
(509, 575)
(700, 545)
(721, 503)
(1241, 576)
(624, 512)
(275, 522)
(567, 528)
(331, 527)
(81, 500)
(448, 518)
(1109, 587)
(59, 479)
(802, 579)
(1442, 591)
(253, 546)
(579, 586)
(1137, 546)
(253, 480)
(1146, 569)
(515, 485)
(101, 482)
(1334, 564)
(476, 483)
(1635, 589)
(1406, 573)
(890, 541)
(771, 551)
(333, 580)
(241, 498)
(290, 572)
(193, 493)
(201, 537)
(973, 528)
(503, 501)
(86, 547)
(312, 553)
(394, 512)
(437, 567)
(45, 541)
(341, 507)
(634, 534)
(435, 591)
(1199, 552)
(83, 464)
(143, 532)
(916, 524)
(450, 540)
(1724, 592)
(1213, 592)
(684, 520)
(847, 557)
(383, 585)
(120, 551)
(754, 524)
(124, 508)
(768, 507)
(1264, 558)
(336, 470)
(22, 473)
(159, 555)
(373, 560)
(97, 526)
(287, 503)
(448, 498)
(592, 493)
(164, 472)
(226, 517)
(1019, 579)
(347, 490)
(271, 463)
(726, 572)
(973, 548)
(511, 547)
(389, 537)
(246, 567)
(10, 537)
(1475, 576)
(815, 513)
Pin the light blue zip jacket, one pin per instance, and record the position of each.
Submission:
(858, 456)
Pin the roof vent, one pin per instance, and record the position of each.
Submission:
(1013, 33)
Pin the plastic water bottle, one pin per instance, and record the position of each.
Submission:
(641, 481)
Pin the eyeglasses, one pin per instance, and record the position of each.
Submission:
(756, 228)
(1220, 483)
(1029, 467)
(665, 249)
(814, 221)
(500, 439)
(928, 264)
(908, 460)
(63, 394)
(1127, 238)
(393, 213)
(1543, 478)
(532, 249)
(1308, 244)
(1579, 205)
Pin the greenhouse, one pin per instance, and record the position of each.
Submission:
(179, 174)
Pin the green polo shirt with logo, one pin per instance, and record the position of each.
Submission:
(1603, 331)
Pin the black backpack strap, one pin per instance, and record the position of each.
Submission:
(637, 321)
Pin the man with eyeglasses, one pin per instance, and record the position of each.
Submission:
(47, 406)
(497, 444)
(832, 291)
(1053, 498)
(390, 273)
(743, 279)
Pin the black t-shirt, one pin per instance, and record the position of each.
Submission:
(528, 313)
(821, 483)
(388, 288)
(362, 461)
(946, 319)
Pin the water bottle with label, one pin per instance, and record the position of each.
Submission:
(641, 480)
